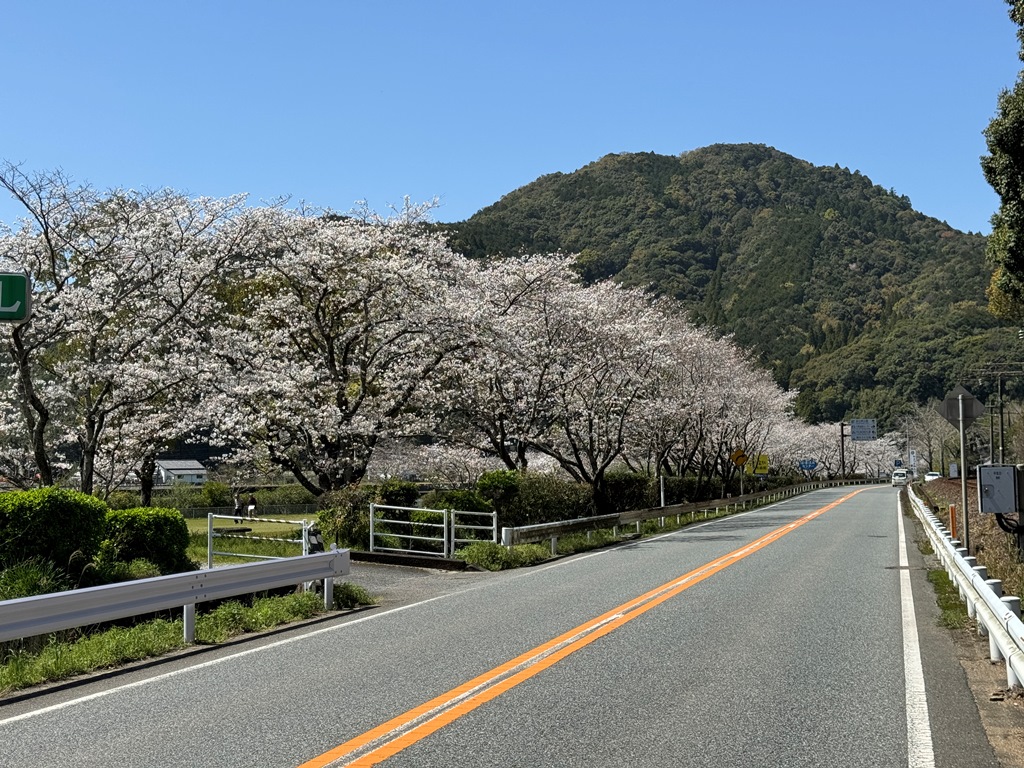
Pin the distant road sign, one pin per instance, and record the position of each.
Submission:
(15, 297)
(738, 457)
(808, 464)
(950, 407)
(761, 465)
(863, 429)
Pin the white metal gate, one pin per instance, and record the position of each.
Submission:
(436, 532)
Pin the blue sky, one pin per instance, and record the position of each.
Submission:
(335, 102)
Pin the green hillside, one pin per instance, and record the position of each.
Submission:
(839, 286)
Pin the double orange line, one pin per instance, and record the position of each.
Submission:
(390, 738)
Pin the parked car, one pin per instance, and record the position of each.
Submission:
(900, 477)
(932, 476)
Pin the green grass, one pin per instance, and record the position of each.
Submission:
(197, 549)
(954, 612)
(33, 662)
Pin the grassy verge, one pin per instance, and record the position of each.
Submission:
(34, 662)
(495, 557)
(954, 612)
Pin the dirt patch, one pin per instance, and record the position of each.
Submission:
(1001, 710)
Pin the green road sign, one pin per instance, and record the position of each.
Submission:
(15, 297)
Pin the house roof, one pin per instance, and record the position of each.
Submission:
(180, 465)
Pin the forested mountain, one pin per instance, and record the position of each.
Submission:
(839, 286)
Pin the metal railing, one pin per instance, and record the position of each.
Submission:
(532, 534)
(997, 617)
(42, 614)
(212, 533)
(437, 532)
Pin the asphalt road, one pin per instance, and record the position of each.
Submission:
(772, 638)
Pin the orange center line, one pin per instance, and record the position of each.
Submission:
(390, 738)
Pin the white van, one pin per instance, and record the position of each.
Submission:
(900, 477)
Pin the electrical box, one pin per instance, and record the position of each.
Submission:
(997, 490)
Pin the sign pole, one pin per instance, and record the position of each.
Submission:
(963, 474)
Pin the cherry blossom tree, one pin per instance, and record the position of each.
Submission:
(122, 298)
(336, 331)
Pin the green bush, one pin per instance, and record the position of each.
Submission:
(56, 524)
(345, 516)
(494, 557)
(216, 494)
(283, 496)
(466, 500)
(631, 490)
(35, 576)
(499, 487)
(397, 493)
(123, 500)
(545, 498)
(155, 534)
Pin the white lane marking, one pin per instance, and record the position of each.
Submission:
(920, 753)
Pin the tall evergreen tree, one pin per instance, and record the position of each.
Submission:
(1004, 170)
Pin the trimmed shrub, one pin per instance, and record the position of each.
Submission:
(157, 535)
(630, 490)
(56, 524)
(282, 496)
(467, 500)
(499, 487)
(544, 498)
(397, 493)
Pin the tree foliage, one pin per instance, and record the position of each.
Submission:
(1004, 170)
(805, 266)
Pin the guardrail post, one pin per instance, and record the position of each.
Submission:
(972, 609)
(554, 546)
(209, 540)
(328, 594)
(189, 620)
(373, 514)
(506, 537)
(1013, 603)
(996, 585)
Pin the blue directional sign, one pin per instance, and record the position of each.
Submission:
(15, 297)
(808, 464)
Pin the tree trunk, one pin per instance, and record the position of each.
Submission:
(146, 471)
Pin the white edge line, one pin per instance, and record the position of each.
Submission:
(920, 751)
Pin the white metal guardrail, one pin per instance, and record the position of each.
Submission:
(997, 617)
(531, 534)
(41, 614)
(434, 538)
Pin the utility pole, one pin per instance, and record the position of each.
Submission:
(842, 450)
